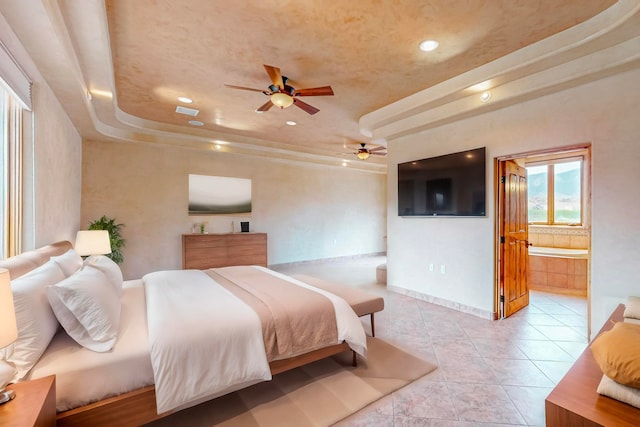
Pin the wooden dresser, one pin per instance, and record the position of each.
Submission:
(201, 251)
(574, 402)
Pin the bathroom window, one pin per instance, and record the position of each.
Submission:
(555, 191)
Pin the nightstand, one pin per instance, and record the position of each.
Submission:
(34, 405)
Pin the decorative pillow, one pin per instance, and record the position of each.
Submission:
(623, 393)
(35, 320)
(109, 268)
(69, 262)
(632, 307)
(617, 353)
(88, 308)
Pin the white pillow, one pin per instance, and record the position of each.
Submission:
(109, 268)
(35, 320)
(69, 262)
(88, 308)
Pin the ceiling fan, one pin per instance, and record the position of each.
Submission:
(283, 95)
(363, 152)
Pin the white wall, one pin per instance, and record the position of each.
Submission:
(53, 158)
(309, 211)
(604, 113)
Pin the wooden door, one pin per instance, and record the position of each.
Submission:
(513, 241)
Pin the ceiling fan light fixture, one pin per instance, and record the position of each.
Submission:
(363, 154)
(281, 100)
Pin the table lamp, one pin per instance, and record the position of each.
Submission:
(8, 331)
(92, 242)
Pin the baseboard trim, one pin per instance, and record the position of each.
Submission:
(484, 314)
(325, 260)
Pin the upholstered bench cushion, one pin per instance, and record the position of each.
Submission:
(362, 302)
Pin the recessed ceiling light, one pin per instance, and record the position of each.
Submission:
(291, 123)
(196, 123)
(429, 45)
(185, 99)
(218, 147)
(485, 96)
(344, 164)
(481, 87)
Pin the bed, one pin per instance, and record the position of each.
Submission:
(121, 386)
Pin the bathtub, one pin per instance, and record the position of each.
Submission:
(558, 252)
(558, 270)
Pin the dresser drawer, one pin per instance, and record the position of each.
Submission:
(202, 251)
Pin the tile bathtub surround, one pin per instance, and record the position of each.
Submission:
(559, 237)
(563, 275)
(490, 372)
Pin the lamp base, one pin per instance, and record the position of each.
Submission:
(6, 395)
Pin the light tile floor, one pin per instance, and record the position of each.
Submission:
(489, 373)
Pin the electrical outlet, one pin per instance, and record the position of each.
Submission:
(431, 267)
(442, 269)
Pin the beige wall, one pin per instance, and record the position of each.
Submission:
(309, 211)
(604, 113)
(57, 178)
(53, 158)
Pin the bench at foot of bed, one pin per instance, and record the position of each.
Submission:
(362, 302)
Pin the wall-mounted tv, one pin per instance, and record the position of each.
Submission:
(449, 185)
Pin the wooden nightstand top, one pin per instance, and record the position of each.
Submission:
(34, 405)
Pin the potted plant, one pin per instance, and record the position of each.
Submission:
(117, 242)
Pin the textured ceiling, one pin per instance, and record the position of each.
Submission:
(367, 50)
(135, 57)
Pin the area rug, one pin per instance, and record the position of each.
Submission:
(318, 394)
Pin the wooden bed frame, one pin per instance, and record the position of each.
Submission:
(138, 406)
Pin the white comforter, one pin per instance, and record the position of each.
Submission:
(217, 347)
(189, 365)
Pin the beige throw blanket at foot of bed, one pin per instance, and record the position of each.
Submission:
(259, 279)
(294, 320)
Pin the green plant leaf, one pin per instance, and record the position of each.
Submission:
(115, 236)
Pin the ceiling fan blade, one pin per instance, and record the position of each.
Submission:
(274, 75)
(245, 88)
(265, 106)
(373, 153)
(314, 91)
(371, 150)
(304, 106)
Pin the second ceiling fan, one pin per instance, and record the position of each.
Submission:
(283, 95)
(363, 152)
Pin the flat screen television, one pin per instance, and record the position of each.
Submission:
(449, 185)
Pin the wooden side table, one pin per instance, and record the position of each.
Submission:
(34, 405)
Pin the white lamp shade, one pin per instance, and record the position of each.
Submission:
(93, 242)
(8, 327)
